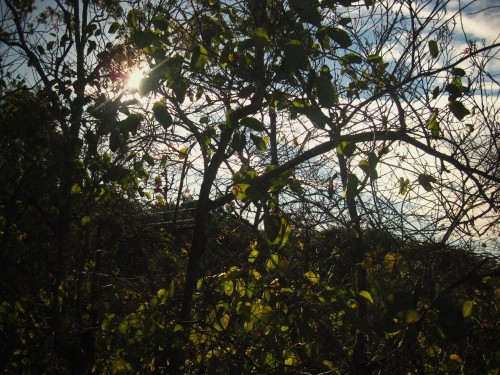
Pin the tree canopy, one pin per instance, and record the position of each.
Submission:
(294, 186)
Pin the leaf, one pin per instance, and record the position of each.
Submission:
(433, 124)
(374, 59)
(161, 22)
(403, 185)
(114, 140)
(143, 38)
(365, 294)
(272, 227)
(341, 37)
(131, 123)
(346, 148)
(389, 262)
(312, 277)
(162, 295)
(327, 95)
(114, 27)
(228, 287)
(50, 45)
(295, 56)
(260, 37)
(199, 58)
(433, 48)
(458, 109)
(161, 114)
(435, 92)
(350, 58)
(259, 142)
(409, 316)
(253, 255)
(253, 123)
(351, 189)
(457, 72)
(272, 262)
(132, 19)
(467, 309)
(76, 189)
(425, 181)
(307, 10)
(183, 153)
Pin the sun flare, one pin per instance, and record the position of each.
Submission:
(134, 79)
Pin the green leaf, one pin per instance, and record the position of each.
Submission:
(458, 109)
(295, 56)
(253, 124)
(351, 189)
(467, 309)
(259, 142)
(341, 37)
(252, 257)
(132, 19)
(374, 59)
(433, 48)
(344, 21)
(312, 277)
(132, 123)
(457, 72)
(228, 287)
(143, 38)
(76, 189)
(435, 92)
(307, 10)
(260, 37)
(346, 148)
(114, 27)
(403, 185)
(50, 45)
(426, 180)
(327, 95)
(272, 227)
(433, 124)
(272, 262)
(365, 294)
(85, 220)
(114, 140)
(199, 58)
(162, 295)
(161, 22)
(183, 153)
(161, 114)
(350, 58)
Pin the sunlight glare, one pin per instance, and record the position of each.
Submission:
(134, 79)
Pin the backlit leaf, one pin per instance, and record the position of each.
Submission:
(458, 109)
(467, 308)
(426, 181)
(161, 114)
(433, 48)
(312, 277)
(365, 294)
(252, 123)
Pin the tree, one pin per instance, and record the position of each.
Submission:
(383, 111)
(291, 116)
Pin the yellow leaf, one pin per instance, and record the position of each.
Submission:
(367, 295)
(389, 262)
(467, 309)
(312, 277)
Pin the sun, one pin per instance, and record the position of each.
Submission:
(134, 79)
